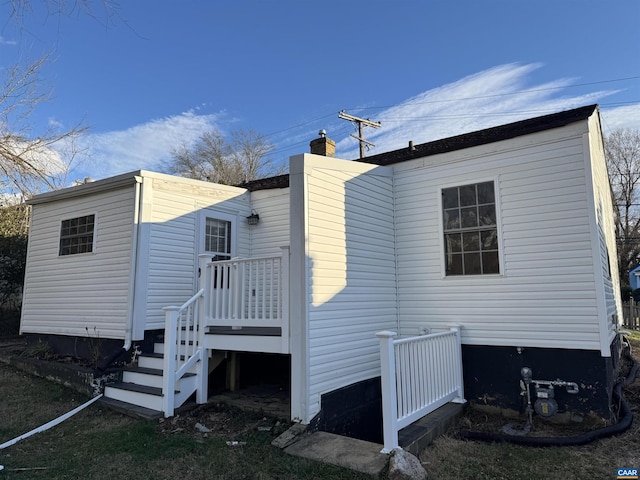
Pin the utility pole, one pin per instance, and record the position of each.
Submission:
(361, 122)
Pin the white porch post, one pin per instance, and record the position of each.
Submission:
(202, 367)
(389, 400)
(284, 299)
(169, 367)
(203, 259)
(458, 366)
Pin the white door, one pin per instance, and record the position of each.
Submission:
(218, 242)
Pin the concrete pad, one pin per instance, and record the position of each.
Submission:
(351, 453)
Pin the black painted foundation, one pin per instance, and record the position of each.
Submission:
(100, 352)
(353, 411)
(492, 377)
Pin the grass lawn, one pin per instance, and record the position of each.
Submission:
(450, 457)
(100, 444)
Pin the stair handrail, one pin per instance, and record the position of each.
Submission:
(182, 332)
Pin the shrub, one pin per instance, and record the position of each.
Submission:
(14, 224)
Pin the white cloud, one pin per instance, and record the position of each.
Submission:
(621, 117)
(496, 96)
(4, 41)
(489, 98)
(41, 157)
(143, 146)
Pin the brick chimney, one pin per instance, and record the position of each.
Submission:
(323, 145)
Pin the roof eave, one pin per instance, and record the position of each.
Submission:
(483, 137)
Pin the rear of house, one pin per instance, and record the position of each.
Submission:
(506, 233)
(513, 240)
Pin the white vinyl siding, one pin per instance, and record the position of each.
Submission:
(66, 295)
(545, 295)
(351, 268)
(272, 232)
(606, 239)
(176, 237)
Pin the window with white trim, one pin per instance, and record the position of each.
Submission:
(217, 238)
(470, 230)
(76, 235)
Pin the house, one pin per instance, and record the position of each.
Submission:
(505, 235)
(634, 280)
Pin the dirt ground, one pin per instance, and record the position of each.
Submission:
(223, 421)
(231, 415)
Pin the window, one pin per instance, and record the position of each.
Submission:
(217, 238)
(76, 235)
(470, 230)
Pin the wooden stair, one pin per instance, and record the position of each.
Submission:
(140, 390)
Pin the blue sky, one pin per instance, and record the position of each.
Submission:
(160, 73)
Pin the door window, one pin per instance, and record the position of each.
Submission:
(217, 238)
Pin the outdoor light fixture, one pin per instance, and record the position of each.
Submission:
(254, 218)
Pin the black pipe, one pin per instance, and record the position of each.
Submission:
(620, 427)
(108, 361)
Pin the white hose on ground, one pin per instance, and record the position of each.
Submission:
(48, 425)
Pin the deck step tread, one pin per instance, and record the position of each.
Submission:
(153, 355)
(134, 387)
(151, 371)
(253, 331)
(130, 408)
(146, 370)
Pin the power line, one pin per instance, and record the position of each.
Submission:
(299, 125)
(532, 90)
(401, 118)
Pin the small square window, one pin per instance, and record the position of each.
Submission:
(76, 235)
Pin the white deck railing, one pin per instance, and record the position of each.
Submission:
(251, 292)
(419, 375)
(235, 293)
(183, 350)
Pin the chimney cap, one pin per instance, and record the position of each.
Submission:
(322, 133)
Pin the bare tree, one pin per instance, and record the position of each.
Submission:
(214, 159)
(622, 149)
(250, 151)
(31, 162)
(102, 11)
(28, 163)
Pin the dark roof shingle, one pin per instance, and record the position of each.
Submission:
(458, 142)
(482, 137)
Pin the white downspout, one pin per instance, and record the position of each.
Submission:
(395, 250)
(128, 332)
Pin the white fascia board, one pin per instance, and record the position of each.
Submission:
(192, 182)
(124, 180)
(111, 183)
